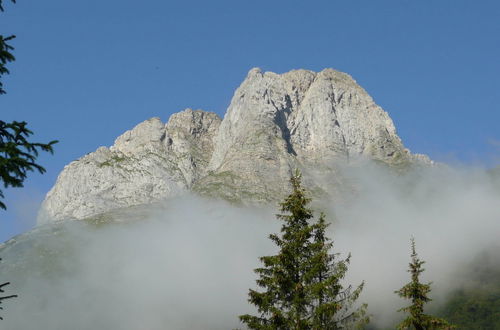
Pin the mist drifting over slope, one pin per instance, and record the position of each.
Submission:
(188, 264)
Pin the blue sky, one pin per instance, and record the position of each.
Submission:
(86, 71)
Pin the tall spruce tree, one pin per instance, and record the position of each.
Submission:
(418, 294)
(302, 288)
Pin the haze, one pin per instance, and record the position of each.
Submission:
(189, 263)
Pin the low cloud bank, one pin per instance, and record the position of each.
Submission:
(189, 263)
(453, 214)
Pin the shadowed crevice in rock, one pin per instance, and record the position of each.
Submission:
(281, 122)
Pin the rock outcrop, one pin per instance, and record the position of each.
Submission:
(149, 163)
(275, 123)
(298, 119)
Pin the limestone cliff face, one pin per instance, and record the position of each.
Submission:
(314, 114)
(300, 119)
(275, 123)
(149, 163)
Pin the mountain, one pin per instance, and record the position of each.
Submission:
(175, 259)
(274, 124)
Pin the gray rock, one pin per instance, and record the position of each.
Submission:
(299, 119)
(274, 124)
(149, 163)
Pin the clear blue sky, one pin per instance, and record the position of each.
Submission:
(86, 71)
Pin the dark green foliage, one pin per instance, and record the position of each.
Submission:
(301, 283)
(473, 310)
(17, 154)
(418, 294)
(5, 54)
(476, 305)
(5, 57)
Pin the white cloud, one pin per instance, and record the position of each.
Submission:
(189, 265)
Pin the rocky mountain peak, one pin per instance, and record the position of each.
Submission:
(315, 114)
(274, 124)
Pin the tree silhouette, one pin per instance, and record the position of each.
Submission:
(17, 154)
(1, 5)
(2, 298)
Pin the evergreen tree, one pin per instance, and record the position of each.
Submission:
(17, 154)
(5, 57)
(5, 52)
(302, 288)
(418, 294)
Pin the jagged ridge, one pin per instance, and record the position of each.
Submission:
(275, 123)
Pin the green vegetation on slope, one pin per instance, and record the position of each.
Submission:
(476, 305)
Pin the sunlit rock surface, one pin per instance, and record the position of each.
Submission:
(149, 163)
(274, 124)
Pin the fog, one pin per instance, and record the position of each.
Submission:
(188, 263)
(453, 214)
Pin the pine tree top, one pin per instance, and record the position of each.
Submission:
(417, 293)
